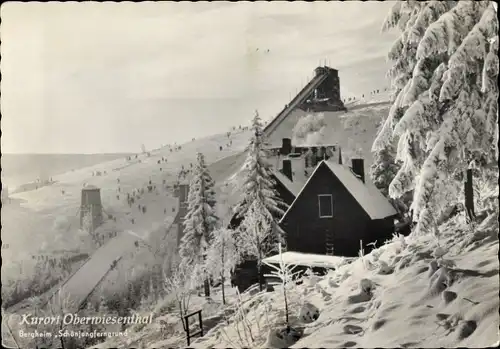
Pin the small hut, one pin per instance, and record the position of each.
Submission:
(91, 206)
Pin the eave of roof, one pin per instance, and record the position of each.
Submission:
(383, 212)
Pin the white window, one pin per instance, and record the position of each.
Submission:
(325, 203)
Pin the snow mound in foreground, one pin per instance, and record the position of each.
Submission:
(411, 292)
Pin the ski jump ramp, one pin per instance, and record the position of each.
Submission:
(84, 281)
(78, 287)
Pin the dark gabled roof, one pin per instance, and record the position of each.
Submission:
(299, 99)
(369, 198)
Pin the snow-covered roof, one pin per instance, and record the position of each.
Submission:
(90, 187)
(293, 187)
(368, 196)
(270, 146)
(306, 259)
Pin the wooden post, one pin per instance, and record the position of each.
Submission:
(206, 285)
(201, 324)
(469, 196)
(206, 282)
(186, 327)
(187, 331)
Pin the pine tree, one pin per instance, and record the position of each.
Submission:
(384, 168)
(222, 256)
(257, 182)
(201, 217)
(256, 238)
(411, 18)
(444, 108)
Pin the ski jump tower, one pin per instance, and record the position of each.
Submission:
(91, 207)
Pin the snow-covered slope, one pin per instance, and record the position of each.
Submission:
(45, 222)
(371, 97)
(413, 292)
(425, 292)
(353, 130)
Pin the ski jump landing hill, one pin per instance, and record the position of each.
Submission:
(356, 125)
(80, 285)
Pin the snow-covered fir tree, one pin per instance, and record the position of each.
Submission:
(411, 18)
(201, 217)
(258, 186)
(486, 191)
(444, 73)
(179, 284)
(384, 168)
(256, 238)
(222, 256)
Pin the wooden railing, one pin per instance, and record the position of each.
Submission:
(186, 326)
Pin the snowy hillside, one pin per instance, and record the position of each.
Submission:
(424, 292)
(45, 222)
(411, 292)
(383, 95)
(353, 130)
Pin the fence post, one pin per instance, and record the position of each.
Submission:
(201, 324)
(469, 195)
(187, 330)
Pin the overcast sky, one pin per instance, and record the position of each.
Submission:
(106, 77)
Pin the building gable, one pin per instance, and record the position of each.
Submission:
(325, 218)
(316, 184)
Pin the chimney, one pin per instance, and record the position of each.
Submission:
(314, 156)
(286, 146)
(321, 154)
(287, 169)
(358, 167)
(469, 196)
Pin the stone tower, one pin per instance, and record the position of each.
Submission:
(91, 205)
